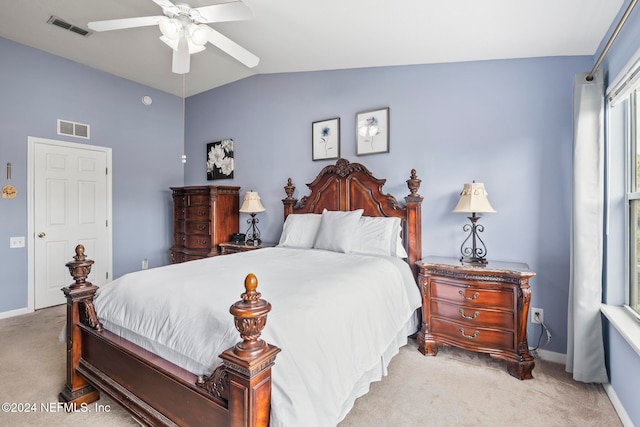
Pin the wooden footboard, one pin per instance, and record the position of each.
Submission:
(155, 391)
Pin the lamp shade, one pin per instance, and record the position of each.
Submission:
(251, 203)
(473, 198)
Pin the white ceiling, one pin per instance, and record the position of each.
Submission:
(299, 35)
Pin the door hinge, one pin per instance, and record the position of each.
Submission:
(107, 275)
(106, 223)
(106, 171)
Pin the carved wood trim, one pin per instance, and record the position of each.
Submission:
(90, 315)
(216, 384)
(474, 277)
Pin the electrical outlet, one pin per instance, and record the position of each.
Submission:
(145, 264)
(537, 315)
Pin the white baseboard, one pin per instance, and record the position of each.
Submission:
(553, 356)
(617, 405)
(13, 313)
(550, 356)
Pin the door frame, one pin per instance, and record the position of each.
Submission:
(31, 143)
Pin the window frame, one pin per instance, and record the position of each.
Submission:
(632, 199)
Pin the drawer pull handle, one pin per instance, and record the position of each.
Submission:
(201, 227)
(202, 241)
(475, 334)
(474, 296)
(201, 213)
(475, 314)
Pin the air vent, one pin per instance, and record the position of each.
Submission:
(79, 130)
(53, 20)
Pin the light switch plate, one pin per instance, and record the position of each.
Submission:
(16, 242)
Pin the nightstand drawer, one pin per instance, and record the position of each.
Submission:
(473, 316)
(472, 336)
(470, 295)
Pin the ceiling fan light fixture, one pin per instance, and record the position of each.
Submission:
(198, 35)
(173, 44)
(170, 28)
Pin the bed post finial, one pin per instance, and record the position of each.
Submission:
(250, 316)
(80, 269)
(289, 188)
(414, 184)
(289, 202)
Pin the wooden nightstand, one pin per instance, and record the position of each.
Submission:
(478, 308)
(232, 248)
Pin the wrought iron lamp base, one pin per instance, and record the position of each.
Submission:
(253, 233)
(476, 253)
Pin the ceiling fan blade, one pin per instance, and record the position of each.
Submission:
(119, 24)
(181, 57)
(233, 11)
(167, 5)
(231, 48)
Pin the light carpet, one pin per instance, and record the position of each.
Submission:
(455, 388)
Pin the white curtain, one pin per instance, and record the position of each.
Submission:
(585, 346)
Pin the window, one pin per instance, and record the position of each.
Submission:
(633, 200)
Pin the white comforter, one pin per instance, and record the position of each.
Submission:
(333, 315)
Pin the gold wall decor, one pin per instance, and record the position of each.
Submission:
(9, 192)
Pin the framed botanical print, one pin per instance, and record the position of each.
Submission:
(220, 160)
(325, 139)
(372, 132)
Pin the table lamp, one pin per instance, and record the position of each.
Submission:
(252, 205)
(473, 199)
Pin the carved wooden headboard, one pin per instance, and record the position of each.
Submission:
(348, 186)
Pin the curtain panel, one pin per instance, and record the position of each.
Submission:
(585, 346)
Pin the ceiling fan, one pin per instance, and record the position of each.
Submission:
(183, 30)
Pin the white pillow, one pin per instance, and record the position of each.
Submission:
(300, 230)
(400, 251)
(336, 230)
(379, 236)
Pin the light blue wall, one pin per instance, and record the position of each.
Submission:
(36, 89)
(505, 123)
(622, 361)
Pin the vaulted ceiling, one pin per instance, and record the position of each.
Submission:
(299, 35)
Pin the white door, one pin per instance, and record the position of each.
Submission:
(71, 206)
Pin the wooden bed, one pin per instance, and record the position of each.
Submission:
(238, 392)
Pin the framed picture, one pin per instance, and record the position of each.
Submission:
(325, 139)
(372, 132)
(220, 160)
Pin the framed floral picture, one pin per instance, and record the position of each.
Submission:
(372, 132)
(220, 160)
(325, 139)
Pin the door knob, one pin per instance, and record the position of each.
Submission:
(41, 234)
